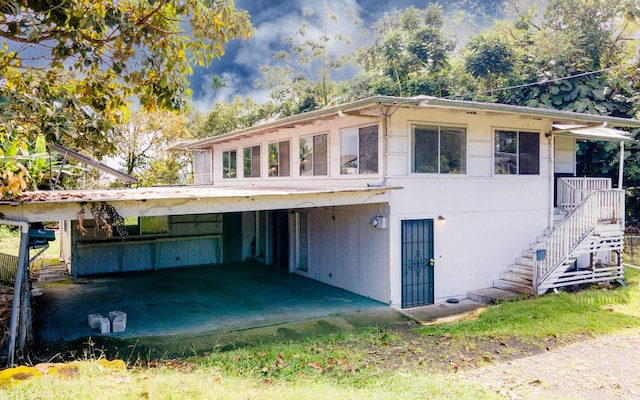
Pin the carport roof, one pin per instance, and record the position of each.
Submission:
(174, 200)
(176, 192)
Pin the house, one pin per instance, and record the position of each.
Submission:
(408, 201)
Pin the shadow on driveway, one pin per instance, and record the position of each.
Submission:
(190, 301)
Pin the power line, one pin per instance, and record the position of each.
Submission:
(537, 83)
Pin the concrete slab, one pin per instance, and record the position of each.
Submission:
(493, 295)
(190, 300)
(445, 312)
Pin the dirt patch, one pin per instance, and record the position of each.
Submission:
(606, 367)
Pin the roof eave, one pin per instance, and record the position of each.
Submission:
(356, 105)
(530, 111)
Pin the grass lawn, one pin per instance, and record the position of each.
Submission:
(401, 362)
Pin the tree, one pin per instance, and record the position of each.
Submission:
(296, 88)
(69, 68)
(228, 117)
(409, 56)
(490, 58)
(142, 141)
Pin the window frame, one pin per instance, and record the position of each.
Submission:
(518, 155)
(253, 164)
(314, 154)
(438, 162)
(357, 168)
(280, 172)
(232, 167)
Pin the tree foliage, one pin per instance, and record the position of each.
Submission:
(142, 143)
(410, 54)
(69, 68)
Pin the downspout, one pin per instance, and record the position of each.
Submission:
(23, 257)
(385, 137)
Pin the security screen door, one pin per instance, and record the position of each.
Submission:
(417, 262)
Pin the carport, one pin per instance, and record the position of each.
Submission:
(191, 300)
(239, 295)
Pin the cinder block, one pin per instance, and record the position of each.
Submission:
(94, 320)
(118, 321)
(105, 326)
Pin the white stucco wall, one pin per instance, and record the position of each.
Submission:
(347, 252)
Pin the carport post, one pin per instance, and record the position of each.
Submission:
(23, 259)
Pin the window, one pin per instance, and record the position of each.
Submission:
(279, 158)
(359, 150)
(229, 165)
(313, 155)
(438, 149)
(517, 153)
(146, 225)
(201, 167)
(252, 162)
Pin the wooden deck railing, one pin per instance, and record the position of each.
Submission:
(599, 206)
(573, 191)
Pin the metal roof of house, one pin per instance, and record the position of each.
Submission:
(558, 116)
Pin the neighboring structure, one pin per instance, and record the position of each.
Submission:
(408, 201)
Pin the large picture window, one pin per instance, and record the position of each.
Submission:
(517, 153)
(279, 160)
(359, 150)
(313, 155)
(438, 149)
(229, 164)
(252, 162)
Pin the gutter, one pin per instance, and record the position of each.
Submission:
(23, 255)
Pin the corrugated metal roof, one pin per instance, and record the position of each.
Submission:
(179, 192)
(422, 102)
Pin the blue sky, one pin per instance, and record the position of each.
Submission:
(275, 19)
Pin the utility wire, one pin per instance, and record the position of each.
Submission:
(537, 83)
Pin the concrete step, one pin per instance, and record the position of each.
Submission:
(492, 295)
(525, 261)
(541, 238)
(528, 253)
(512, 287)
(516, 278)
(521, 269)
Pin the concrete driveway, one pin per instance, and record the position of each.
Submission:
(190, 300)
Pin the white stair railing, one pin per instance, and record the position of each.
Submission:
(555, 249)
(571, 192)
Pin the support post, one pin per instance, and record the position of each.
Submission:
(621, 165)
(23, 261)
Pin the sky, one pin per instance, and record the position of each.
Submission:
(275, 19)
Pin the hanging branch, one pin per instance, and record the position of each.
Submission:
(101, 221)
(116, 219)
(80, 218)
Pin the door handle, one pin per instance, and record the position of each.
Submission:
(432, 262)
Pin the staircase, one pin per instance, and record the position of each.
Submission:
(594, 225)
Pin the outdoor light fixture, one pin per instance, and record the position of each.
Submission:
(441, 219)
